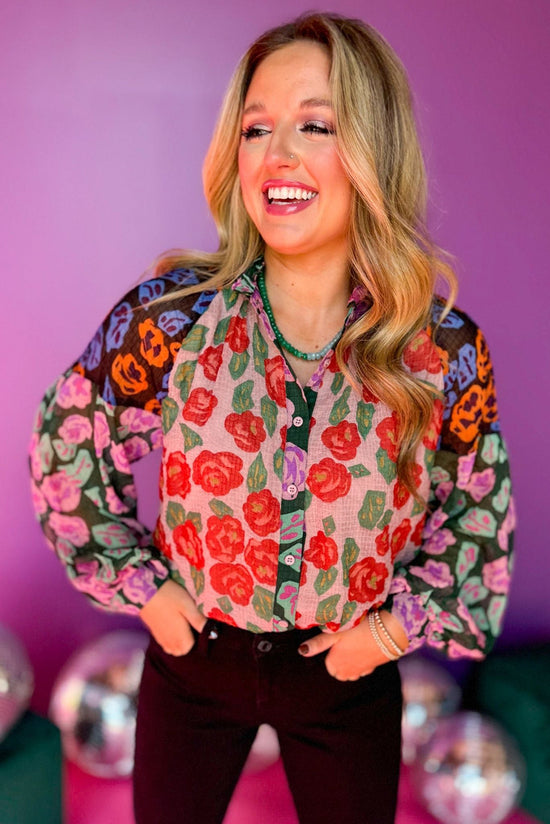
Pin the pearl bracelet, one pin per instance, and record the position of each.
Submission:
(388, 640)
(379, 642)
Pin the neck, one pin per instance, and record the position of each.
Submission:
(310, 283)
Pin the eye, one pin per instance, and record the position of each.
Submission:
(317, 127)
(253, 132)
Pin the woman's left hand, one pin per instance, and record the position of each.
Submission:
(354, 652)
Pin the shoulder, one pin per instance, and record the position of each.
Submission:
(455, 331)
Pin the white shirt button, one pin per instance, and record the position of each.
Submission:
(298, 420)
(289, 560)
(292, 490)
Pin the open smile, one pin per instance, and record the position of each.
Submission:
(287, 197)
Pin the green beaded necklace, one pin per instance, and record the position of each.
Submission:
(282, 341)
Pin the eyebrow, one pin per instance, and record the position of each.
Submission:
(310, 102)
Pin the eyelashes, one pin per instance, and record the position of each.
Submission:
(311, 127)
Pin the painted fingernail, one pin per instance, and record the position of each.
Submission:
(303, 649)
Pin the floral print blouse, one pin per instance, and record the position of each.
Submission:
(280, 504)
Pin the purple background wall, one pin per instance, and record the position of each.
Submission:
(107, 108)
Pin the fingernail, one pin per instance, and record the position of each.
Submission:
(303, 649)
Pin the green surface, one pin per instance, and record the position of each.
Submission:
(30, 773)
(514, 688)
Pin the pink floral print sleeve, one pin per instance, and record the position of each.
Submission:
(280, 504)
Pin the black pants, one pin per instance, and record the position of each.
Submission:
(198, 715)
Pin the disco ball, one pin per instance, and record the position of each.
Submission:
(429, 693)
(470, 771)
(16, 681)
(94, 703)
(264, 752)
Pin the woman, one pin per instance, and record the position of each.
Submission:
(314, 395)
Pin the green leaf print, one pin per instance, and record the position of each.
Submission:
(257, 474)
(358, 471)
(495, 612)
(252, 627)
(81, 468)
(347, 612)
(242, 396)
(183, 378)
(94, 494)
(221, 331)
(363, 416)
(238, 364)
(190, 437)
(480, 617)
(386, 519)
(259, 351)
(326, 611)
(480, 522)
(340, 408)
(169, 414)
(372, 509)
(118, 554)
(387, 468)
(198, 579)
(278, 459)
(219, 508)
(175, 515)
(325, 580)
(194, 341)
(490, 449)
(196, 520)
(328, 525)
(230, 297)
(262, 601)
(349, 557)
(501, 499)
(175, 576)
(225, 604)
(337, 383)
(64, 451)
(269, 414)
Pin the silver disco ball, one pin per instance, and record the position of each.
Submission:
(470, 771)
(94, 703)
(16, 681)
(429, 693)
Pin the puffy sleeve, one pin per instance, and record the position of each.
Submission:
(452, 593)
(99, 417)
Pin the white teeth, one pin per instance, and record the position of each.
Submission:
(289, 193)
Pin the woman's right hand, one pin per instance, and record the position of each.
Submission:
(169, 615)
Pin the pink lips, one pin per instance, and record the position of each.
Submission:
(290, 208)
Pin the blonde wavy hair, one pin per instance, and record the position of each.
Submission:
(390, 252)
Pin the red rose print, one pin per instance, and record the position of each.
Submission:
(303, 578)
(388, 432)
(211, 360)
(199, 406)
(188, 543)
(431, 436)
(217, 615)
(399, 537)
(416, 537)
(400, 495)
(262, 512)
(177, 475)
(159, 539)
(367, 579)
(275, 380)
(322, 551)
(217, 472)
(368, 396)
(247, 429)
(233, 580)
(224, 538)
(342, 440)
(262, 557)
(237, 336)
(328, 480)
(421, 354)
(382, 541)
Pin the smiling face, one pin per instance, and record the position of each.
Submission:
(292, 180)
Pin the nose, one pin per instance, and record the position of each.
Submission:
(282, 152)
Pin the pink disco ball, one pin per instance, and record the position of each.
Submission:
(429, 693)
(16, 681)
(94, 703)
(470, 771)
